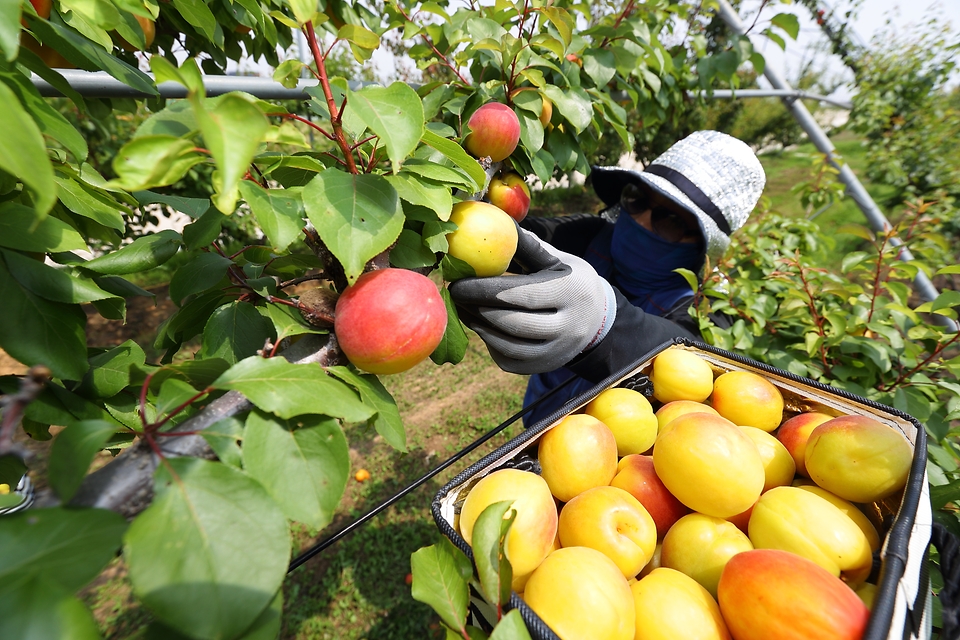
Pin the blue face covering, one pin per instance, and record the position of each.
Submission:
(644, 262)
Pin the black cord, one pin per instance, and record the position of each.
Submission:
(350, 528)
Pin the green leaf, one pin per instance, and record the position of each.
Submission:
(304, 10)
(232, 132)
(51, 283)
(73, 450)
(67, 546)
(50, 121)
(387, 420)
(410, 253)
(600, 65)
(489, 553)
(420, 192)
(278, 211)
(394, 113)
(287, 321)
(362, 37)
(290, 390)
(204, 231)
(440, 574)
(197, 13)
(857, 230)
(38, 608)
(9, 28)
(303, 464)
(452, 269)
(173, 394)
(198, 373)
(459, 157)
(453, 345)
(437, 173)
(511, 627)
(853, 259)
(562, 21)
(288, 73)
(946, 300)
(952, 269)
(222, 438)
(193, 207)
(109, 372)
(153, 161)
(88, 55)
(23, 153)
(235, 331)
(37, 331)
(788, 22)
(211, 551)
(12, 469)
(187, 75)
(573, 103)
(90, 204)
(357, 216)
(942, 495)
(143, 253)
(531, 131)
(199, 274)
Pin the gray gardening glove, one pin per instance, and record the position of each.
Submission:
(543, 318)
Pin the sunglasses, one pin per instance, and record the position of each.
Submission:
(666, 222)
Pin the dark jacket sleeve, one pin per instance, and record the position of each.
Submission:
(571, 234)
(634, 334)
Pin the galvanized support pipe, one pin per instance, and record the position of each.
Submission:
(776, 93)
(877, 221)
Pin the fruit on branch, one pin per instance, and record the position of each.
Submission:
(494, 131)
(795, 432)
(791, 519)
(677, 408)
(637, 476)
(681, 375)
(629, 415)
(582, 595)
(778, 466)
(389, 320)
(748, 400)
(614, 523)
(700, 546)
(510, 193)
(546, 111)
(578, 454)
(769, 594)
(533, 531)
(709, 465)
(671, 605)
(485, 238)
(43, 9)
(50, 56)
(858, 458)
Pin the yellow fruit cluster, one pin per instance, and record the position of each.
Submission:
(631, 529)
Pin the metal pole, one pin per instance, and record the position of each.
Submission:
(776, 93)
(855, 189)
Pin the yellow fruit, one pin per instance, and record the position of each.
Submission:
(671, 605)
(535, 527)
(485, 238)
(579, 453)
(582, 595)
(629, 415)
(677, 408)
(681, 375)
(700, 546)
(748, 400)
(778, 465)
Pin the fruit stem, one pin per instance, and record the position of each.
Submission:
(335, 113)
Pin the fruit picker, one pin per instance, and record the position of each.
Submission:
(589, 294)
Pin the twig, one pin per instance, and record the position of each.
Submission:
(300, 280)
(308, 122)
(335, 120)
(433, 48)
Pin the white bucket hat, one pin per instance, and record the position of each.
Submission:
(710, 174)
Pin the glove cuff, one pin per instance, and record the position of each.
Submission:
(609, 315)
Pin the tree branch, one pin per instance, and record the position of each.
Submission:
(125, 485)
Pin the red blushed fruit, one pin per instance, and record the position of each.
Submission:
(390, 320)
(768, 594)
(636, 476)
(510, 193)
(795, 432)
(494, 132)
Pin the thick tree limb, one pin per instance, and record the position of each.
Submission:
(125, 485)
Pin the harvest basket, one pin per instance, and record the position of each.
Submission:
(902, 605)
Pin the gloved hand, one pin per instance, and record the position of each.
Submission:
(539, 320)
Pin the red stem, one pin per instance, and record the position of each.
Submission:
(156, 426)
(817, 318)
(626, 11)
(903, 376)
(338, 133)
(876, 277)
(306, 121)
(433, 48)
(143, 400)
